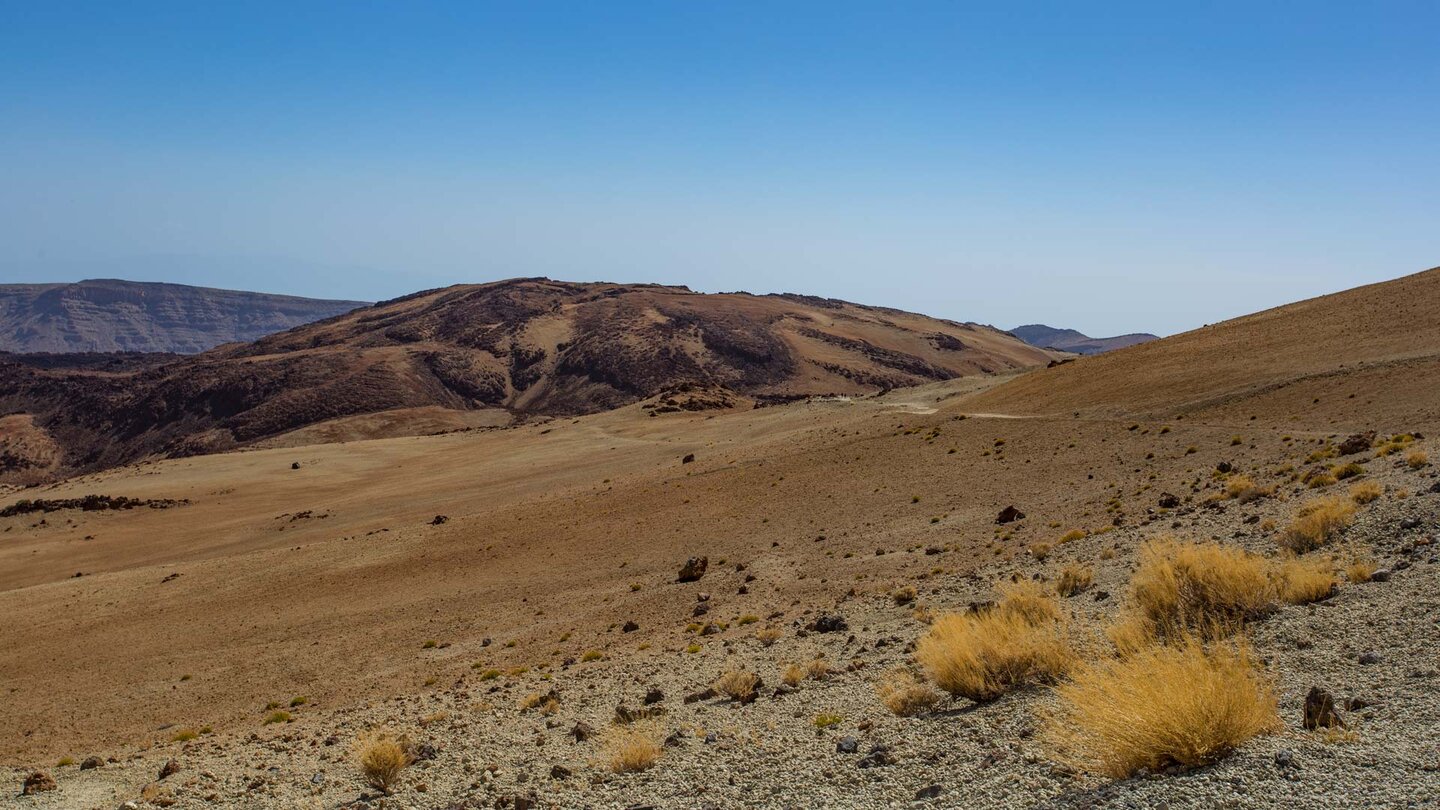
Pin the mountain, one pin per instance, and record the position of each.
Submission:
(1070, 340)
(1322, 359)
(109, 315)
(520, 347)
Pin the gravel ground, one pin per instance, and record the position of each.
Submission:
(485, 752)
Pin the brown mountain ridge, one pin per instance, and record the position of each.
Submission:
(482, 354)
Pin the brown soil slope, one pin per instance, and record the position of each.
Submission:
(528, 346)
(1296, 363)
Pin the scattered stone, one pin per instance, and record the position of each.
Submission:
(653, 696)
(689, 457)
(1168, 501)
(1356, 443)
(582, 731)
(1370, 658)
(1320, 711)
(847, 745)
(558, 771)
(37, 782)
(1009, 515)
(629, 627)
(701, 608)
(1284, 758)
(931, 792)
(295, 465)
(170, 768)
(91, 763)
(878, 757)
(1382, 575)
(829, 623)
(693, 569)
(703, 694)
(439, 519)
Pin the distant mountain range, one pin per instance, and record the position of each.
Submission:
(109, 315)
(1048, 337)
(519, 347)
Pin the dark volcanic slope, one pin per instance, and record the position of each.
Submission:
(527, 346)
(107, 315)
(1070, 340)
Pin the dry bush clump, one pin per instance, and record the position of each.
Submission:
(1317, 523)
(983, 655)
(768, 635)
(1186, 704)
(1360, 570)
(1029, 600)
(632, 748)
(382, 758)
(1072, 535)
(792, 675)
(1416, 459)
(1180, 587)
(1040, 551)
(1244, 489)
(1365, 492)
(737, 684)
(818, 669)
(904, 595)
(1075, 578)
(904, 694)
(1301, 580)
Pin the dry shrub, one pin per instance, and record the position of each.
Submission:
(1301, 580)
(1187, 586)
(983, 655)
(1028, 600)
(1365, 492)
(1317, 523)
(1040, 551)
(1072, 535)
(1074, 579)
(1182, 705)
(1360, 570)
(904, 694)
(768, 635)
(1348, 470)
(382, 758)
(632, 748)
(737, 684)
(904, 596)
(1243, 489)
(817, 669)
(1417, 459)
(792, 675)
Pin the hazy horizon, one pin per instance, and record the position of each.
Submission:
(1131, 168)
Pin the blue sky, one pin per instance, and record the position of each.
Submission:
(1107, 166)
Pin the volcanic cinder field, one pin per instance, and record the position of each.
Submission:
(502, 592)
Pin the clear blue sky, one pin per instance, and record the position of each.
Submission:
(1108, 166)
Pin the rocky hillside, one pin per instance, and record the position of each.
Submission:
(108, 315)
(528, 346)
(1071, 340)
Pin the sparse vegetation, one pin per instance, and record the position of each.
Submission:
(827, 720)
(184, 735)
(1317, 524)
(737, 684)
(1416, 459)
(983, 655)
(632, 748)
(280, 716)
(1074, 578)
(1186, 704)
(1365, 492)
(382, 759)
(768, 635)
(904, 694)
(1183, 587)
(1360, 570)
(904, 595)
(792, 675)
(1301, 580)
(591, 655)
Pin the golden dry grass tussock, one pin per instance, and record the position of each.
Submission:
(737, 684)
(1187, 586)
(382, 758)
(904, 694)
(1074, 578)
(1416, 459)
(1185, 704)
(1360, 569)
(632, 748)
(1301, 580)
(1318, 523)
(1365, 492)
(983, 655)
